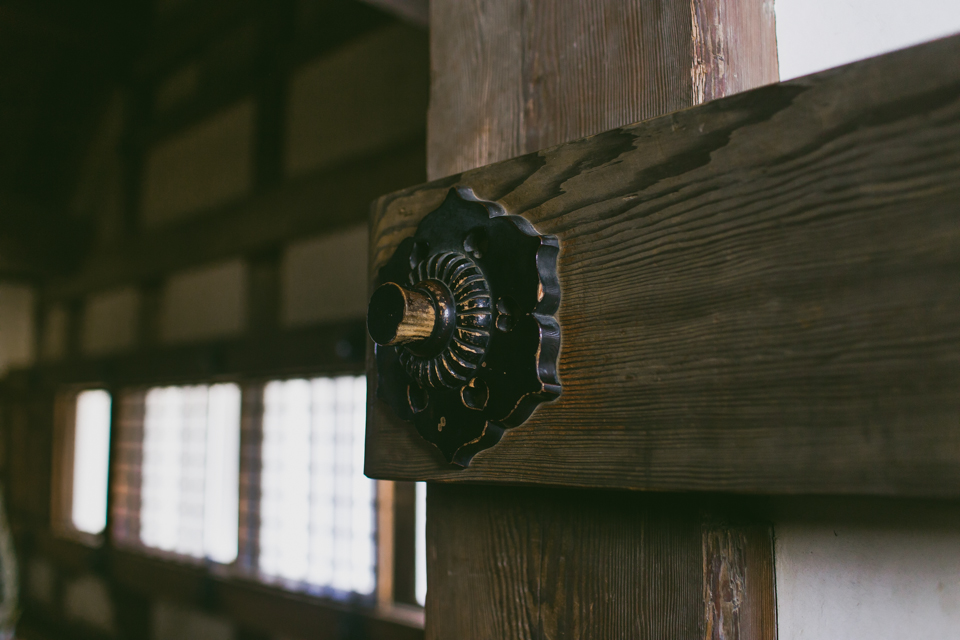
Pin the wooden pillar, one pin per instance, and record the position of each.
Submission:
(515, 76)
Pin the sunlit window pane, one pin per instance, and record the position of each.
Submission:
(420, 581)
(191, 464)
(317, 508)
(91, 455)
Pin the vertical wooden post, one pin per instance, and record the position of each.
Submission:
(385, 549)
(515, 76)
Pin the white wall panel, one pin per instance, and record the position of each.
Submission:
(387, 72)
(813, 35)
(204, 303)
(325, 279)
(208, 165)
(871, 570)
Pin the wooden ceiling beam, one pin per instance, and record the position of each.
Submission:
(413, 11)
(263, 222)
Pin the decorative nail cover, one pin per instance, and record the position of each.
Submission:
(492, 355)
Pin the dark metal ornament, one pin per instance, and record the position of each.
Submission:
(467, 344)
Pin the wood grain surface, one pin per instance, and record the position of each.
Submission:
(739, 582)
(531, 562)
(514, 76)
(545, 563)
(760, 294)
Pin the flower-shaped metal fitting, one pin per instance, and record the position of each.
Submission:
(466, 341)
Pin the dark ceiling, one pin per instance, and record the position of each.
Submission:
(58, 61)
(62, 60)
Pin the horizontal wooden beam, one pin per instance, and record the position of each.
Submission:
(413, 11)
(760, 294)
(243, 600)
(328, 348)
(182, 33)
(311, 205)
(187, 32)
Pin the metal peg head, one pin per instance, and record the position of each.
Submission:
(397, 315)
(467, 344)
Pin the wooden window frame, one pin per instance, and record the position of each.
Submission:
(395, 502)
(232, 590)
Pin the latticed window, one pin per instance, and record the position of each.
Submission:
(268, 477)
(191, 462)
(317, 510)
(176, 485)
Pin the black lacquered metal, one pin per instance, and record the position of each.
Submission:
(491, 356)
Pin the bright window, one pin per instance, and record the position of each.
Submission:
(191, 463)
(317, 509)
(91, 456)
(420, 581)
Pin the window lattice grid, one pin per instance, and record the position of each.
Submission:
(190, 471)
(317, 509)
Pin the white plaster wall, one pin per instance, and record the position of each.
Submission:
(174, 622)
(325, 279)
(813, 35)
(205, 303)
(871, 570)
(110, 321)
(17, 303)
(208, 165)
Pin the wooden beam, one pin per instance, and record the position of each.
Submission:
(184, 32)
(335, 347)
(413, 11)
(312, 205)
(760, 294)
(511, 77)
(405, 543)
(245, 601)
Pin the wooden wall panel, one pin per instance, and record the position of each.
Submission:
(761, 294)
